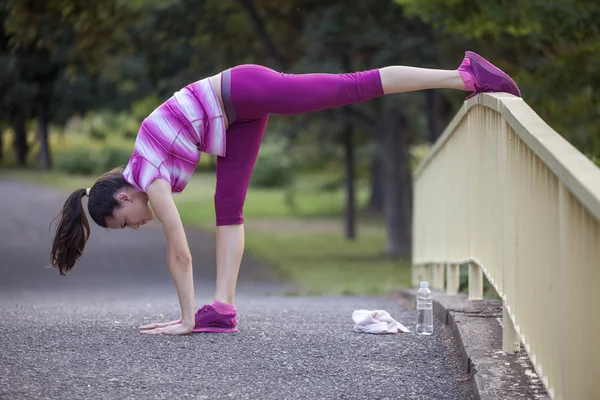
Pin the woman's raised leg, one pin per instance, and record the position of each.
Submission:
(258, 90)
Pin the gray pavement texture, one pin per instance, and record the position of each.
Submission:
(478, 326)
(78, 337)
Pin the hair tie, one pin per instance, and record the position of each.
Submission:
(87, 192)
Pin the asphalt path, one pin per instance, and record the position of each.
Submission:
(78, 337)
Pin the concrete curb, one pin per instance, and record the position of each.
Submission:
(478, 326)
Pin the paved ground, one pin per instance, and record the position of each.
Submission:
(78, 337)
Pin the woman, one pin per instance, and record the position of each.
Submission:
(226, 115)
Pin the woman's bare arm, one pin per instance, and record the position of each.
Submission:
(179, 258)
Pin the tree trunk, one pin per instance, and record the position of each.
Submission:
(376, 199)
(291, 133)
(348, 134)
(407, 185)
(259, 25)
(439, 113)
(397, 190)
(349, 161)
(433, 112)
(42, 113)
(20, 144)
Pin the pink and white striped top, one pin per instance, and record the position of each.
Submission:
(170, 139)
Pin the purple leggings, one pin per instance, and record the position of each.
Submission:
(252, 92)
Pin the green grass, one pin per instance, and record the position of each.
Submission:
(50, 178)
(329, 264)
(304, 245)
(196, 203)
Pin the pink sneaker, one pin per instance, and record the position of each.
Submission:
(209, 320)
(481, 76)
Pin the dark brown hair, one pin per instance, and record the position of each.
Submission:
(73, 229)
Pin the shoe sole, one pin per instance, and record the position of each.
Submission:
(493, 69)
(211, 329)
(214, 330)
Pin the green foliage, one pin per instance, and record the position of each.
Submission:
(332, 184)
(274, 166)
(79, 161)
(542, 21)
(89, 161)
(78, 33)
(551, 48)
(14, 90)
(111, 157)
(488, 289)
(143, 107)
(107, 55)
(109, 127)
(103, 125)
(95, 143)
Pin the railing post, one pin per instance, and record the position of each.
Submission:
(419, 273)
(438, 276)
(422, 272)
(416, 273)
(428, 275)
(510, 339)
(475, 282)
(452, 278)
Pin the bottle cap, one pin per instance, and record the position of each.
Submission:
(424, 284)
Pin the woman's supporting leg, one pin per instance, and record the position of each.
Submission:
(230, 249)
(233, 176)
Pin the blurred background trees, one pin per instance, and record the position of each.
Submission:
(77, 78)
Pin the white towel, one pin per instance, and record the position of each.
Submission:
(376, 321)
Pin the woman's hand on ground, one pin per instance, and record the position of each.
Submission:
(161, 324)
(178, 328)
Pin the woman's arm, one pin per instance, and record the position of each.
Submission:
(179, 258)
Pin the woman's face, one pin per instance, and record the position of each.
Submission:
(132, 213)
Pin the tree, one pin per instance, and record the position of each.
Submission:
(16, 94)
(373, 35)
(166, 44)
(43, 42)
(551, 48)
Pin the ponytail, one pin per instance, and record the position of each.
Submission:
(72, 232)
(73, 229)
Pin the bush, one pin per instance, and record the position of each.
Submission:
(274, 167)
(112, 157)
(88, 161)
(332, 184)
(104, 126)
(78, 161)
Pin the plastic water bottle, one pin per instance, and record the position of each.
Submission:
(424, 310)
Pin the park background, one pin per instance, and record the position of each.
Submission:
(329, 207)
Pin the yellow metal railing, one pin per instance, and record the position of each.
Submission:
(504, 193)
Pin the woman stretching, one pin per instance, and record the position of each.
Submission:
(226, 115)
